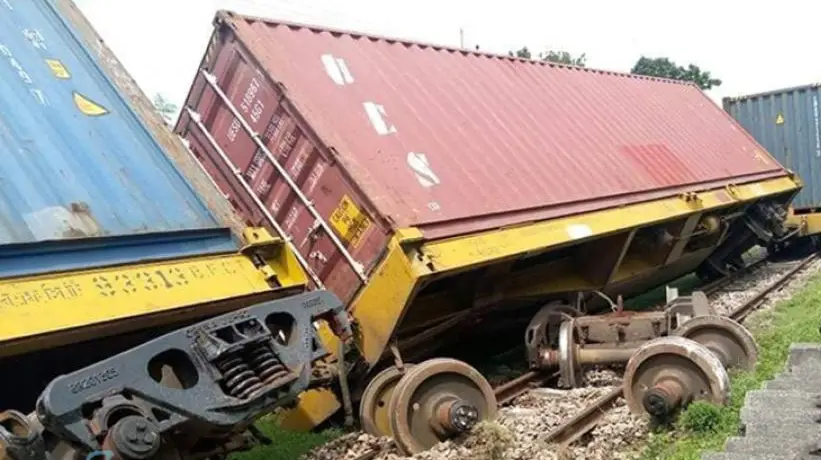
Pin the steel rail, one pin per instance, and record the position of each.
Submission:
(583, 422)
(508, 391)
(743, 311)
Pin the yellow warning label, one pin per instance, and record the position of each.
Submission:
(88, 107)
(779, 119)
(349, 221)
(58, 69)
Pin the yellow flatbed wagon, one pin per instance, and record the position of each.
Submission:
(447, 195)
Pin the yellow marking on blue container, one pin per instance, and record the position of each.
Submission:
(88, 107)
(59, 303)
(58, 69)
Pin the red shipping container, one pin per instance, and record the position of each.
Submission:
(381, 134)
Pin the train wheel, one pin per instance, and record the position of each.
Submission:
(543, 330)
(570, 371)
(668, 373)
(373, 409)
(731, 342)
(436, 400)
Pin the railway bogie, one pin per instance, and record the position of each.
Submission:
(189, 394)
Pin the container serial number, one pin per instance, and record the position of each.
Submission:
(121, 284)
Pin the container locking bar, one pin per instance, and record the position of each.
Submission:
(357, 267)
(197, 119)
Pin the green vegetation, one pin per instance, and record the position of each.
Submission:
(559, 57)
(287, 445)
(658, 296)
(704, 428)
(165, 108)
(665, 68)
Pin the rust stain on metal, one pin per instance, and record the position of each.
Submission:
(82, 222)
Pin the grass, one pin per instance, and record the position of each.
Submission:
(658, 296)
(287, 445)
(292, 445)
(702, 427)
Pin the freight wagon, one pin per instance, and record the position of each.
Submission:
(786, 122)
(443, 202)
(110, 235)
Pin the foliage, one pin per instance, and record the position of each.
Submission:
(700, 417)
(561, 57)
(523, 53)
(287, 445)
(165, 107)
(490, 441)
(665, 68)
(793, 320)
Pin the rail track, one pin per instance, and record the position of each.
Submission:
(588, 418)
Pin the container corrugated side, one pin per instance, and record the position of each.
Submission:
(80, 170)
(787, 123)
(381, 134)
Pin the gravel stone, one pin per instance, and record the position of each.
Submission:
(518, 431)
(748, 286)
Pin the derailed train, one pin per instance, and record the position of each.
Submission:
(421, 194)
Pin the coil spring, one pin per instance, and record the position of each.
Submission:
(266, 364)
(239, 380)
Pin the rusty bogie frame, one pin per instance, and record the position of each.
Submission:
(559, 339)
(672, 357)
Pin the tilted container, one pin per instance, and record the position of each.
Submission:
(433, 188)
(107, 224)
(787, 123)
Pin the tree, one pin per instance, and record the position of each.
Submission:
(665, 68)
(165, 108)
(561, 57)
(523, 53)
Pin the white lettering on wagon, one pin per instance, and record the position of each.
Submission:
(24, 76)
(378, 117)
(420, 165)
(35, 38)
(578, 231)
(337, 69)
(817, 126)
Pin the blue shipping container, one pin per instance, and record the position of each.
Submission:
(786, 123)
(83, 182)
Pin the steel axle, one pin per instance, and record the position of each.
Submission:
(613, 339)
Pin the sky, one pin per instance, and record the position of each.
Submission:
(752, 46)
